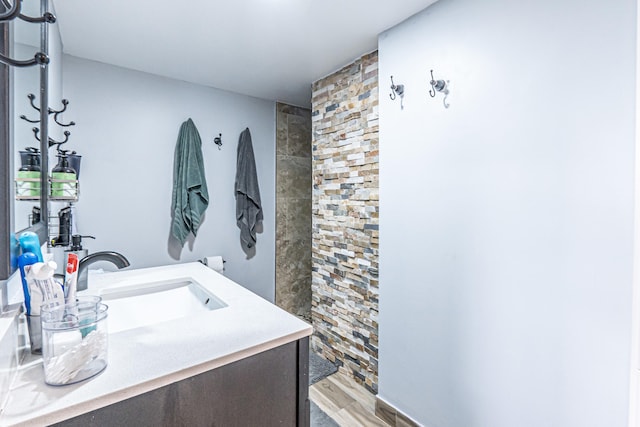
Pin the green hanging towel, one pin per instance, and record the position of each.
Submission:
(248, 205)
(190, 196)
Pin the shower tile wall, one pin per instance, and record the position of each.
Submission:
(293, 209)
(345, 219)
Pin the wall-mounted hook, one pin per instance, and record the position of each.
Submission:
(23, 117)
(218, 141)
(439, 86)
(396, 90)
(65, 102)
(59, 143)
(32, 97)
(52, 142)
(56, 113)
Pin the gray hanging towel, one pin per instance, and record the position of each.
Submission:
(190, 196)
(248, 205)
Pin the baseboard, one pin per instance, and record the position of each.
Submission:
(392, 416)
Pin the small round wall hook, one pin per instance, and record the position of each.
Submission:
(218, 141)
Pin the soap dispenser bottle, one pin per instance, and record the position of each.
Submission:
(28, 177)
(30, 155)
(76, 246)
(63, 178)
(64, 228)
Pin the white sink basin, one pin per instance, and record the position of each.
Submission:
(147, 304)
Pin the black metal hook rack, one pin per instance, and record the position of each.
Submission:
(12, 12)
(36, 131)
(61, 189)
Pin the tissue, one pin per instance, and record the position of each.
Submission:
(215, 263)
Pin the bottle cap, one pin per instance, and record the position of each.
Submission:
(43, 270)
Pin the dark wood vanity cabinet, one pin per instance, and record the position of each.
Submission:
(268, 389)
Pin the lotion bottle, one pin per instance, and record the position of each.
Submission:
(29, 242)
(28, 176)
(63, 178)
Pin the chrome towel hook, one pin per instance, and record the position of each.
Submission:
(439, 86)
(396, 90)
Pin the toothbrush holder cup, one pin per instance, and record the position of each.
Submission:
(74, 340)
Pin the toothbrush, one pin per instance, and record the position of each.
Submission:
(25, 261)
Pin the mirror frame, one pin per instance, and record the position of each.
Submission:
(6, 158)
(7, 195)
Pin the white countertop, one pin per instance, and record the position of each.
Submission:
(149, 357)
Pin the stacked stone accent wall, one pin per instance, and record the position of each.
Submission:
(345, 293)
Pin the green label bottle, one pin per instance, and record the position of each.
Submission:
(63, 179)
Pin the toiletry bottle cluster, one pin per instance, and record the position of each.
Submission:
(39, 286)
(64, 175)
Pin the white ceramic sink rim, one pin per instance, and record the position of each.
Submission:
(149, 303)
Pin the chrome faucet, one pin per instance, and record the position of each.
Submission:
(113, 257)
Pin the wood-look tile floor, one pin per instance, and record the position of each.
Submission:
(346, 401)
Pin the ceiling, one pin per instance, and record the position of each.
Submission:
(270, 49)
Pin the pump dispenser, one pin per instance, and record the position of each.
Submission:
(30, 155)
(63, 177)
(28, 176)
(76, 245)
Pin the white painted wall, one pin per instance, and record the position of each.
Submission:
(127, 128)
(507, 220)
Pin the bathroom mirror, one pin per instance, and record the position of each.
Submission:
(22, 42)
(26, 42)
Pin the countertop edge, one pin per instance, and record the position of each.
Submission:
(247, 306)
(128, 393)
